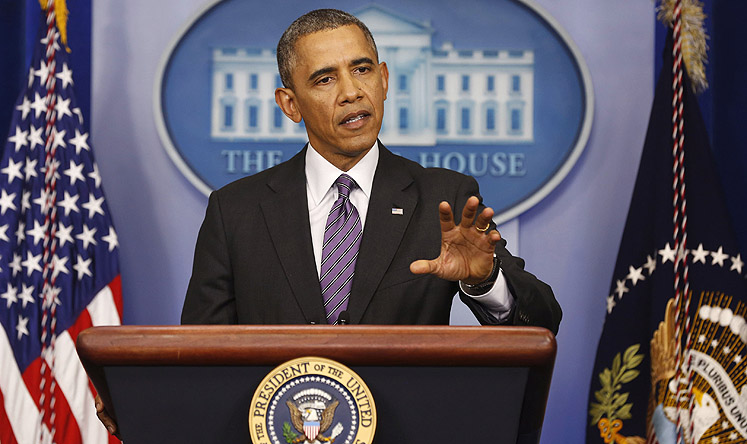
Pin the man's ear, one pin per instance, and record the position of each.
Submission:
(384, 77)
(286, 100)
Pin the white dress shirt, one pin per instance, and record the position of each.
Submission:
(321, 195)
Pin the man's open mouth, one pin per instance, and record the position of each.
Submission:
(351, 118)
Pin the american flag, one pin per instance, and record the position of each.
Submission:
(59, 271)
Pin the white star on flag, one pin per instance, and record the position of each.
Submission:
(621, 289)
(35, 138)
(38, 232)
(635, 274)
(736, 263)
(13, 170)
(650, 265)
(610, 303)
(111, 239)
(82, 267)
(30, 169)
(59, 265)
(6, 201)
(20, 139)
(79, 141)
(42, 72)
(24, 107)
(38, 106)
(75, 172)
(94, 206)
(64, 234)
(719, 257)
(27, 294)
(32, 263)
(10, 295)
(699, 254)
(667, 254)
(66, 76)
(87, 236)
(63, 108)
(22, 327)
(45, 40)
(43, 201)
(69, 203)
(59, 139)
(15, 264)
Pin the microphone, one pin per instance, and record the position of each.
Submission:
(344, 318)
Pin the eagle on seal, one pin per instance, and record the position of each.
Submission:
(305, 422)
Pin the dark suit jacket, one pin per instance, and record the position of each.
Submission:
(254, 262)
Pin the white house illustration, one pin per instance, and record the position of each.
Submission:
(436, 95)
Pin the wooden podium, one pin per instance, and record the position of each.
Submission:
(194, 384)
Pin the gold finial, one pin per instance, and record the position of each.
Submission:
(694, 38)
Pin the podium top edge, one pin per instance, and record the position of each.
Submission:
(354, 345)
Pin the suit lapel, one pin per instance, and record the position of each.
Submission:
(287, 218)
(383, 231)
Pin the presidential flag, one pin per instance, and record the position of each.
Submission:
(670, 368)
(59, 271)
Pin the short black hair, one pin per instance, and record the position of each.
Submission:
(309, 23)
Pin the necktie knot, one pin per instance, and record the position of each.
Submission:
(344, 185)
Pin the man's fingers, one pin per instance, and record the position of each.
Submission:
(469, 211)
(446, 217)
(104, 417)
(482, 222)
(422, 267)
(493, 237)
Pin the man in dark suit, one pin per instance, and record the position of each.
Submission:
(260, 243)
(264, 243)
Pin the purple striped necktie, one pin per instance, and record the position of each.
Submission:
(342, 239)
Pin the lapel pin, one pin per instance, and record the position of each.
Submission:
(398, 211)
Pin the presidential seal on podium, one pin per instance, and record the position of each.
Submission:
(312, 400)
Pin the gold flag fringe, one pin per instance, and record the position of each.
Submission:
(694, 38)
(61, 13)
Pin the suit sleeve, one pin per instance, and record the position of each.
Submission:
(210, 295)
(535, 303)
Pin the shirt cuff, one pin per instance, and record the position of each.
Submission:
(498, 301)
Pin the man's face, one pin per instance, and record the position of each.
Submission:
(339, 90)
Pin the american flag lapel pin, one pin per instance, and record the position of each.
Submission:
(398, 211)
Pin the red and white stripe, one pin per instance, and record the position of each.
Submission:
(75, 418)
(682, 296)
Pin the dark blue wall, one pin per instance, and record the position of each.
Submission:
(19, 22)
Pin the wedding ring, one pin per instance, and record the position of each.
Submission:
(482, 230)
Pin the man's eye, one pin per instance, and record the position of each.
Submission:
(324, 80)
(362, 69)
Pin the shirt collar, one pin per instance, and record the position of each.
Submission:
(321, 175)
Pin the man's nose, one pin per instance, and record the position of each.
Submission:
(350, 88)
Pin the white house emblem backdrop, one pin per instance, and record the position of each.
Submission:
(494, 89)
